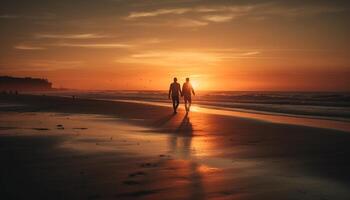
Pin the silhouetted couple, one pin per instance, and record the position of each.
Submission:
(186, 92)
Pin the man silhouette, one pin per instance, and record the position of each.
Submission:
(187, 91)
(175, 91)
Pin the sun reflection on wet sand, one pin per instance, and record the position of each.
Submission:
(192, 156)
(95, 132)
(269, 117)
(195, 108)
(195, 161)
(185, 157)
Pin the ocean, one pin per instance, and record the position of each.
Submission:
(329, 105)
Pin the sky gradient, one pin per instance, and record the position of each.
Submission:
(287, 45)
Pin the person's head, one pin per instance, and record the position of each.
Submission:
(187, 79)
(175, 79)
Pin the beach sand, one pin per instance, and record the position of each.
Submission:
(64, 148)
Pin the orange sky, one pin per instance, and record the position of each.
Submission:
(220, 45)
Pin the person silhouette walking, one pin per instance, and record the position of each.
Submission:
(187, 91)
(174, 92)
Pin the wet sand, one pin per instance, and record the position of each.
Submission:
(60, 148)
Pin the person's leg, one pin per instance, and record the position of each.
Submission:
(177, 103)
(174, 106)
(189, 104)
(186, 104)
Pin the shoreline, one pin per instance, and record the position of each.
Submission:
(272, 117)
(333, 110)
(141, 105)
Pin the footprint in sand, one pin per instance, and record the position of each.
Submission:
(139, 173)
(165, 156)
(60, 126)
(148, 165)
(134, 175)
(41, 129)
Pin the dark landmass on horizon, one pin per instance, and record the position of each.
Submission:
(8, 83)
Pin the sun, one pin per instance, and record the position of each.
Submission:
(194, 84)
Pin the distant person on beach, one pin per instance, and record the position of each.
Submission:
(187, 91)
(175, 92)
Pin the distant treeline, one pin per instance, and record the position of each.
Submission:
(8, 83)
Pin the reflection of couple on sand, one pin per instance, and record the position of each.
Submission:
(186, 92)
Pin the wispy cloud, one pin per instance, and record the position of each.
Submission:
(180, 11)
(250, 53)
(41, 64)
(181, 22)
(185, 57)
(69, 36)
(55, 64)
(261, 8)
(170, 58)
(28, 47)
(298, 11)
(189, 23)
(90, 42)
(217, 14)
(219, 18)
(94, 45)
(158, 12)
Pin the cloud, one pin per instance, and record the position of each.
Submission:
(180, 11)
(158, 12)
(181, 22)
(229, 55)
(188, 58)
(54, 64)
(297, 11)
(41, 45)
(70, 36)
(189, 23)
(94, 45)
(41, 64)
(219, 18)
(251, 53)
(216, 14)
(170, 58)
(28, 47)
